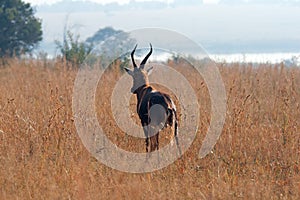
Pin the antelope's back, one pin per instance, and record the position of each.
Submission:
(162, 103)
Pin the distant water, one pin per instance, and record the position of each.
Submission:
(273, 58)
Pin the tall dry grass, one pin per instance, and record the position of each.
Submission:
(256, 157)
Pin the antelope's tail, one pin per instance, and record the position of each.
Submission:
(176, 131)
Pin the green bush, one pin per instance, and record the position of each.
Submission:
(73, 50)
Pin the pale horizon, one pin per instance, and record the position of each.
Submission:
(220, 26)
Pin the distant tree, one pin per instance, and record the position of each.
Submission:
(20, 31)
(111, 42)
(103, 34)
(73, 50)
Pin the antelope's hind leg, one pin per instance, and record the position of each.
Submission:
(145, 128)
(175, 122)
(154, 143)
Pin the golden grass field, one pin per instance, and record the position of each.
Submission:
(256, 157)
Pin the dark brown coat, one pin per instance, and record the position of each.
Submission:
(156, 109)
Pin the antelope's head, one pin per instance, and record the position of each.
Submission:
(139, 74)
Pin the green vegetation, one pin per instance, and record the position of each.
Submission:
(73, 50)
(20, 31)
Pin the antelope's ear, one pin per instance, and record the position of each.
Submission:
(128, 71)
(149, 71)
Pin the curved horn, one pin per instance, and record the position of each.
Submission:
(146, 58)
(133, 62)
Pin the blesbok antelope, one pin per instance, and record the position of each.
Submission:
(156, 109)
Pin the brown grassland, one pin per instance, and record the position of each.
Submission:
(256, 157)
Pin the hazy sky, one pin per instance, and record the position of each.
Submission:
(39, 2)
(121, 2)
(219, 25)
